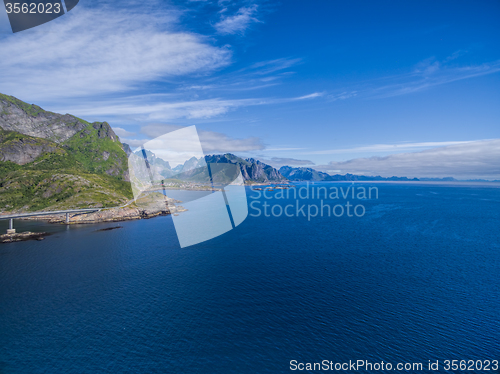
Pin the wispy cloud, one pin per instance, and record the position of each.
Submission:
(310, 96)
(133, 142)
(147, 109)
(431, 73)
(122, 132)
(125, 50)
(211, 142)
(283, 149)
(387, 147)
(342, 96)
(425, 75)
(278, 162)
(95, 51)
(161, 108)
(469, 160)
(272, 66)
(239, 22)
(256, 76)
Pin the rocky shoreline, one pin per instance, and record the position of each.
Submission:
(22, 236)
(108, 215)
(105, 215)
(149, 207)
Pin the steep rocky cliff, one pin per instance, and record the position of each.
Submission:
(23, 149)
(18, 116)
(94, 145)
(252, 170)
(304, 174)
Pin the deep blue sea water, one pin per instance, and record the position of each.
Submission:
(417, 278)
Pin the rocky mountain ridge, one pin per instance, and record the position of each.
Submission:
(309, 174)
(18, 116)
(29, 132)
(252, 171)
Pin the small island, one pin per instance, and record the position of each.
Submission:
(22, 236)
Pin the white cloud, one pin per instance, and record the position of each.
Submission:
(122, 132)
(134, 142)
(95, 51)
(212, 142)
(277, 162)
(159, 108)
(426, 74)
(342, 96)
(93, 61)
(272, 66)
(430, 73)
(469, 160)
(156, 130)
(238, 23)
(310, 96)
(283, 149)
(388, 147)
(147, 109)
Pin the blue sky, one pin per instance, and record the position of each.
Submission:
(387, 87)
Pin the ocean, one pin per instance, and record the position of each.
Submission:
(415, 278)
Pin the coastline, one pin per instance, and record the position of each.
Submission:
(118, 214)
(149, 206)
(109, 215)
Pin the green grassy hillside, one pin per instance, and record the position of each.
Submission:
(29, 189)
(88, 169)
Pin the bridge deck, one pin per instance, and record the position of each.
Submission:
(21, 215)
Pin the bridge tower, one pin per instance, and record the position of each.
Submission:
(11, 230)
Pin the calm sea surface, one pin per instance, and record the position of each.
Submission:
(417, 278)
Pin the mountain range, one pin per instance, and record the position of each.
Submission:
(309, 174)
(53, 161)
(194, 169)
